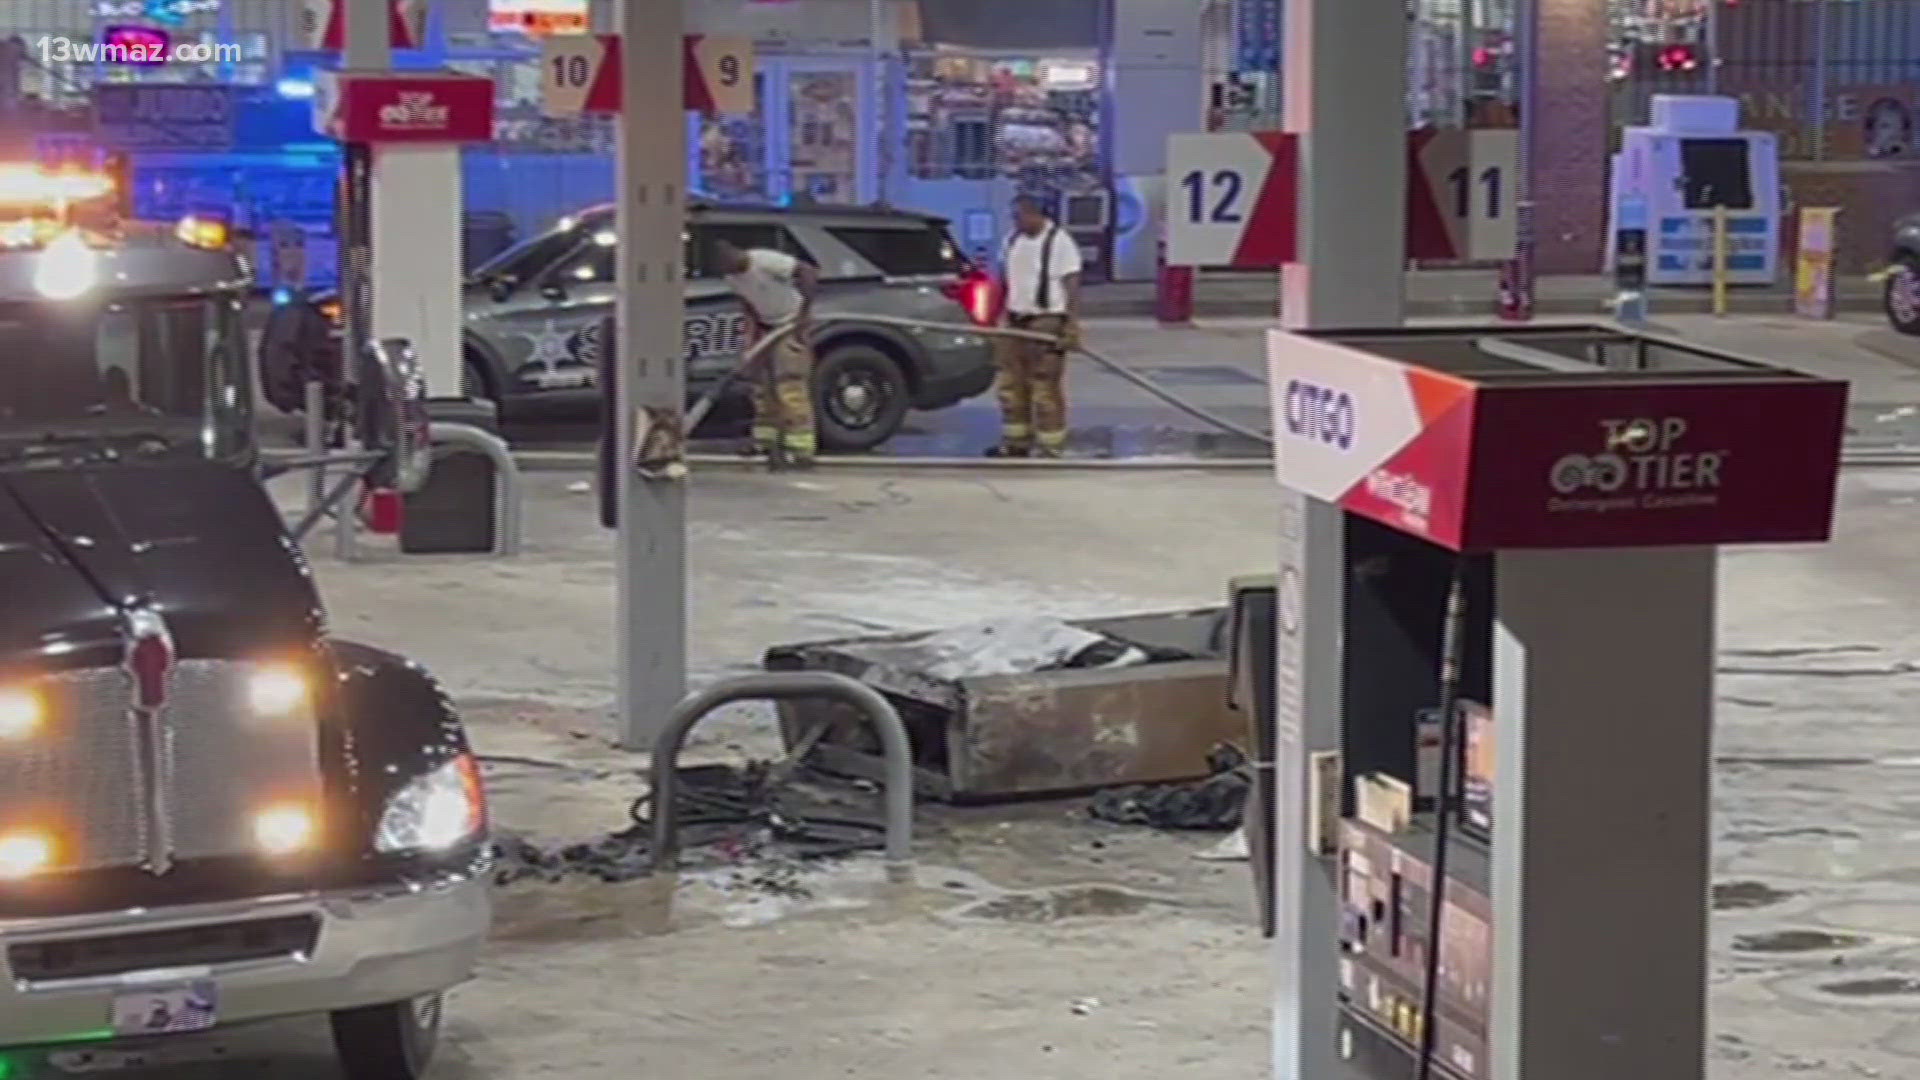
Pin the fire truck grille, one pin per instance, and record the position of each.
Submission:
(195, 946)
(81, 777)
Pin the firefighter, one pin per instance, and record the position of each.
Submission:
(1041, 264)
(777, 289)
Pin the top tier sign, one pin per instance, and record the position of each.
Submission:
(580, 74)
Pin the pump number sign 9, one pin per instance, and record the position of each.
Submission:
(580, 74)
(1231, 199)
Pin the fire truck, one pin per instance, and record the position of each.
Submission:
(213, 812)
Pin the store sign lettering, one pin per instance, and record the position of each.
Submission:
(1643, 465)
(416, 110)
(1320, 414)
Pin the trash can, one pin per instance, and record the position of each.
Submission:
(453, 512)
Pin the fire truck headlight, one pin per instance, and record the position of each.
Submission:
(437, 812)
(277, 691)
(68, 268)
(24, 854)
(283, 830)
(21, 714)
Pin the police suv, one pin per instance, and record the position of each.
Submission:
(533, 315)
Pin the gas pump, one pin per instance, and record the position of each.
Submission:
(1492, 654)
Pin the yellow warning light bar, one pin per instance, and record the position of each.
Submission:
(209, 233)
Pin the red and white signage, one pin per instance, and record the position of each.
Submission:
(323, 23)
(378, 107)
(1557, 460)
(537, 18)
(1460, 204)
(580, 73)
(1231, 199)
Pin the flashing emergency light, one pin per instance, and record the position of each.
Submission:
(1679, 58)
(32, 186)
(68, 268)
(978, 294)
(200, 232)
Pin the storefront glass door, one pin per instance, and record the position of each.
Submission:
(822, 117)
(813, 135)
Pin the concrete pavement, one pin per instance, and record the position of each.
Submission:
(1816, 859)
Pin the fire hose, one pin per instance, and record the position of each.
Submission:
(753, 357)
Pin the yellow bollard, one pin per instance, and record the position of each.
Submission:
(1720, 261)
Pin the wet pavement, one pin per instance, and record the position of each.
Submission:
(1220, 367)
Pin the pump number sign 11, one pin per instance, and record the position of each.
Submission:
(1460, 204)
(1231, 199)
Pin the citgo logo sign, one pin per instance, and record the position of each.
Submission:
(1320, 414)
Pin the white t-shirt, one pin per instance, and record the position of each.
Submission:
(1023, 271)
(767, 285)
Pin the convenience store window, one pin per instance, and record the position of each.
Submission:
(973, 117)
(730, 152)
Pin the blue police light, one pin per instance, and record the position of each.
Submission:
(295, 89)
(282, 297)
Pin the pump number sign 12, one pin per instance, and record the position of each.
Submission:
(1231, 199)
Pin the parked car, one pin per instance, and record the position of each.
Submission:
(533, 312)
(1902, 280)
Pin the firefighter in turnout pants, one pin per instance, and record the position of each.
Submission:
(1042, 268)
(775, 289)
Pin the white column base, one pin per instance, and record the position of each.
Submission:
(416, 261)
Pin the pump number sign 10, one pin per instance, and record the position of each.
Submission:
(580, 74)
(1231, 199)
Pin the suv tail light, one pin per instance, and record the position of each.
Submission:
(977, 294)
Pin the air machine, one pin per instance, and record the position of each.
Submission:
(1490, 648)
(1691, 159)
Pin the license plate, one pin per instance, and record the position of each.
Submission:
(165, 1010)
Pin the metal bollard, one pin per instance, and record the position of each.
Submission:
(1173, 291)
(784, 686)
(1720, 260)
(316, 419)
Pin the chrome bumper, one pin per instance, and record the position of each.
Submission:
(374, 946)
